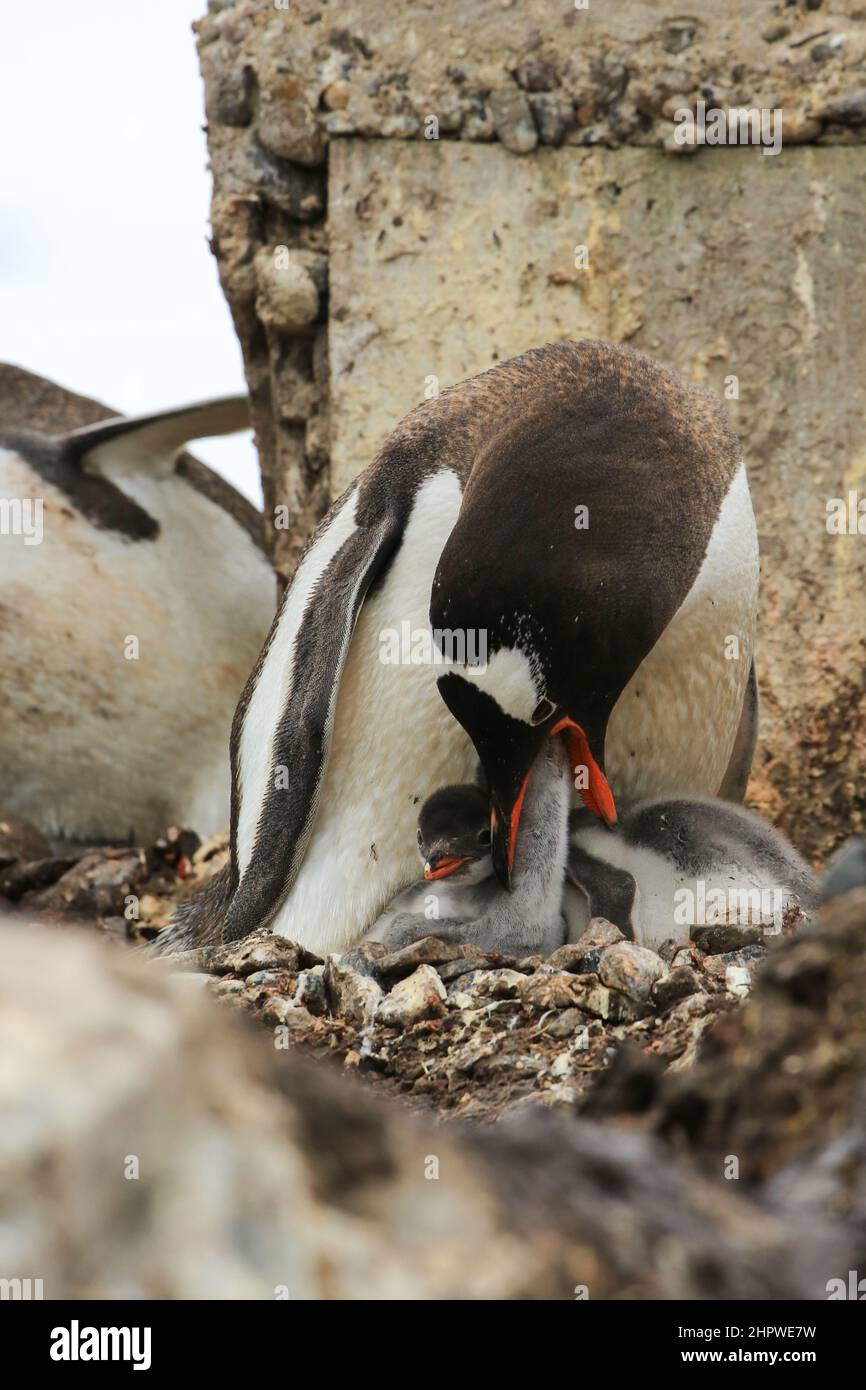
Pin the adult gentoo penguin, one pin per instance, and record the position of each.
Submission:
(134, 596)
(580, 511)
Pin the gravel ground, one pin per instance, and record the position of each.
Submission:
(443, 1026)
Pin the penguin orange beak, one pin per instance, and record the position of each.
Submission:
(437, 867)
(592, 785)
(596, 795)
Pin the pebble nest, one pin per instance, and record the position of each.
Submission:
(442, 1025)
(473, 1034)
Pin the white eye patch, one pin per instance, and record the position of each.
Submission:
(508, 679)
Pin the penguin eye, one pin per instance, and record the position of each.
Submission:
(543, 710)
(484, 836)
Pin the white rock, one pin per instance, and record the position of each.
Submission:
(353, 996)
(738, 980)
(420, 995)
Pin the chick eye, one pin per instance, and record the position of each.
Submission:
(484, 836)
(543, 710)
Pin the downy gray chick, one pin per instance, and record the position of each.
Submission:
(673, 864)
(460, 899)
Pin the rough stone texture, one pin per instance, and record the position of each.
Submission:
(356, 997)
(585, 953)
(420, 995)
(782, 1079)
(631, 969)
(287, 297)
(476, 1036)
(677, 984)
(20, 840)
(239, 1192)
(100, 881)
(150, 1147)
(324, 68)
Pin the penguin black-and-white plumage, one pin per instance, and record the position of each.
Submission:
(586, 510)
(460, 898)
(674, 864)
(102, 738)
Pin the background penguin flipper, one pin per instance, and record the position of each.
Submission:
(736, 777)
(289, 706)
(153, 441)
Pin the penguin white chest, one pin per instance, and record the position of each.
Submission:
(389, 716)
(673, 727)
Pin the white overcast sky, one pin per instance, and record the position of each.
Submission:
(107, 284)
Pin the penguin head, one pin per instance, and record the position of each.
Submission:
(454, 835)
(537, 625)
(509, 726)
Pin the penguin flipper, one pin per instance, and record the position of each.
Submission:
(610, 891)
(408, 927)
(152, 442)
(283, 724)
(736, 777)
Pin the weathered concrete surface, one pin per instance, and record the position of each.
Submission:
(282, 80)
(733, 266)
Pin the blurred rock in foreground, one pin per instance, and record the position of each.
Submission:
(152, 1146)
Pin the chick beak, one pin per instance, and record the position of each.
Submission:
(442, 865)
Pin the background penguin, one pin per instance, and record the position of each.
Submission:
(460, 899)
(103, 739)
(667, 857)
(583, 510)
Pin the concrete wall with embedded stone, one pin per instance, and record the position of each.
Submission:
(367, 263)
